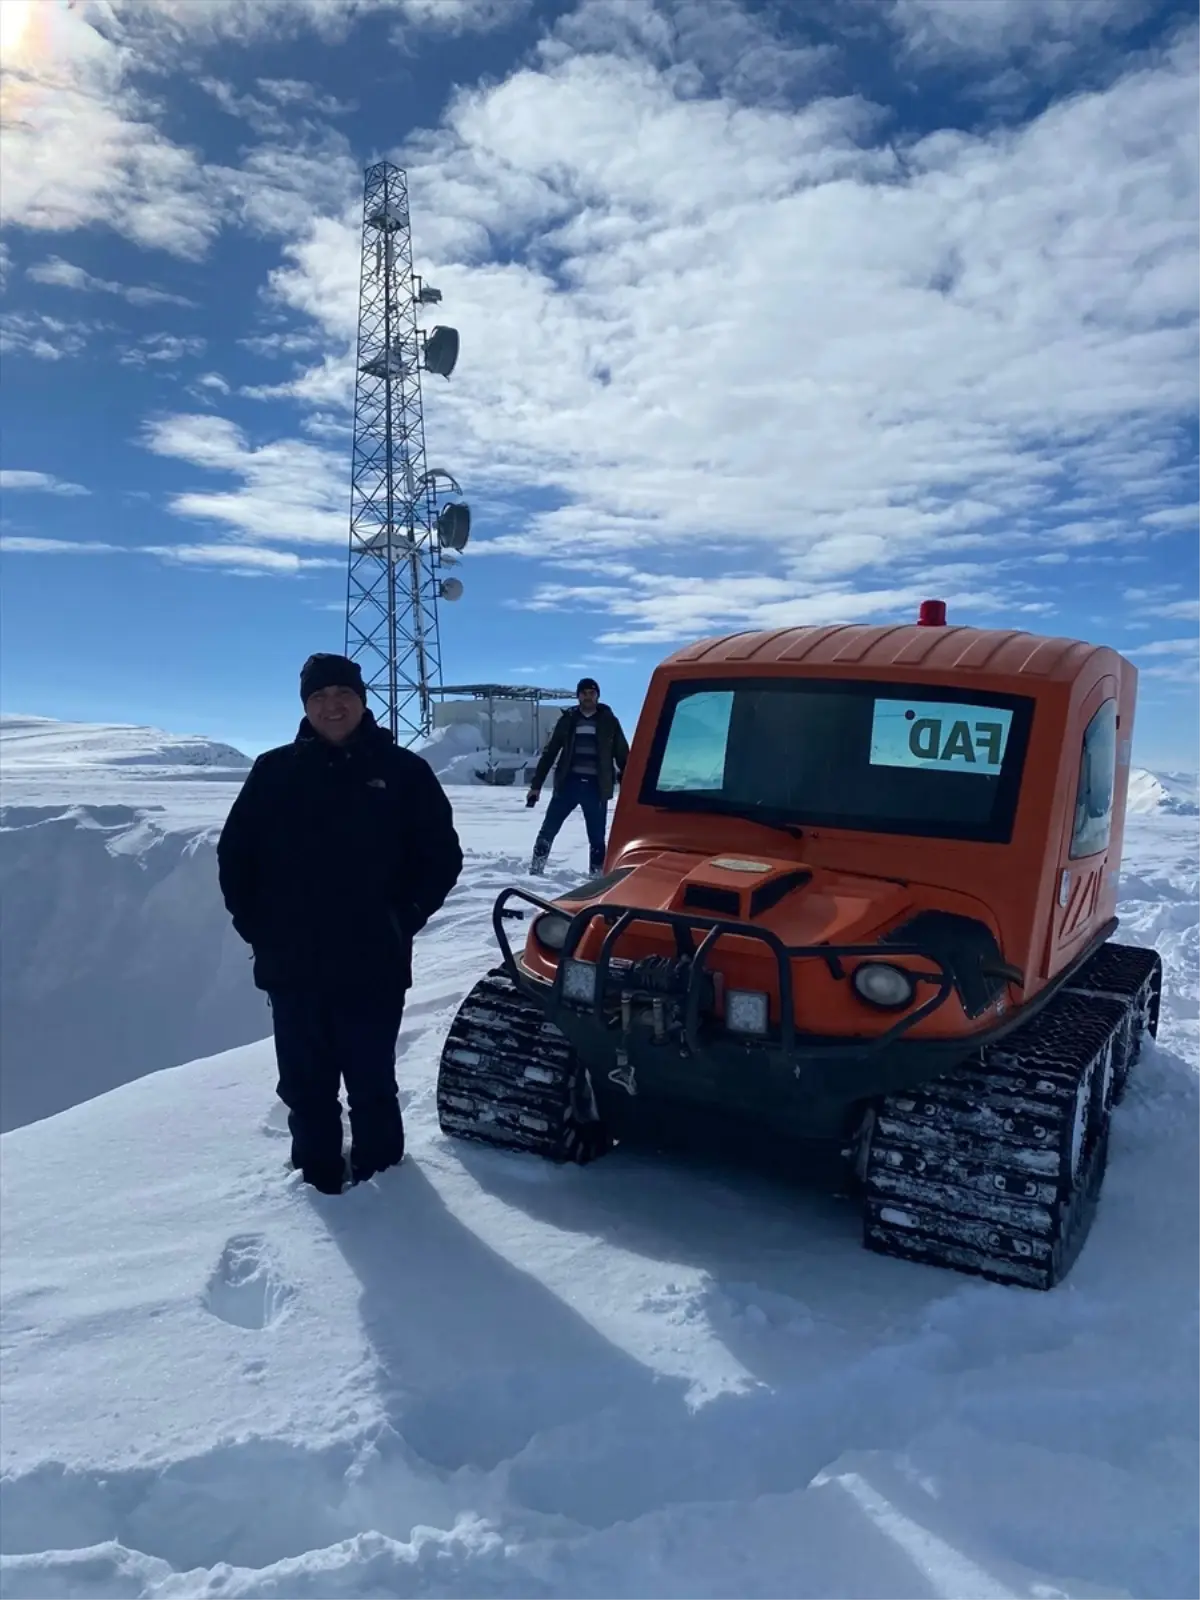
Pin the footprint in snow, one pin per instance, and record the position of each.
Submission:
(245, 1287)
(274, 1124)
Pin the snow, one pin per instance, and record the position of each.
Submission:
(480, 1375)
(458, 754)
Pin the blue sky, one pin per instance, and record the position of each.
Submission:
(769, 315)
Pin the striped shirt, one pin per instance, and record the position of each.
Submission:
(584, 760)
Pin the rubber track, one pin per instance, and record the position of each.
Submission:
(973, 1171)
(507, 1076)
(1133, 974)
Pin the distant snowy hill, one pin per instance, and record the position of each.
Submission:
(1173, 793)
(40, 744)
(482, 1376)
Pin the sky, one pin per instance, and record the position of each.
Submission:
(769, 315)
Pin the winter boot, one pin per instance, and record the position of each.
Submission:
(537, 866)
(596, 864)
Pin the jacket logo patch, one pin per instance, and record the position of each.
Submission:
(376, 783)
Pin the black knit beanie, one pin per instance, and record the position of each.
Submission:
(587, 683)
(324, 671)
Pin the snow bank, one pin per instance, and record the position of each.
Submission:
(480, 1375)
(119, 957)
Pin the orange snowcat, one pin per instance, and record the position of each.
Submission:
(859, 898)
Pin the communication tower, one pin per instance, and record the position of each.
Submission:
(404, 533)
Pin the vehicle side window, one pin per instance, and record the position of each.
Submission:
(694, 760)
(1097, 776)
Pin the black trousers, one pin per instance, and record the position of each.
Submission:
(320, 1042)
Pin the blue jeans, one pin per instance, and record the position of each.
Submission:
(584, 793)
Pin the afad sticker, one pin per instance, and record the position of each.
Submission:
(949, 736)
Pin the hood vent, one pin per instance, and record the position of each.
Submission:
(768, 895)
(707, 897)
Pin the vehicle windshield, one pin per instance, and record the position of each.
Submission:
(879, 757)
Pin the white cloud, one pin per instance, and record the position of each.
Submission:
(42, 482)
(22, 544)
(1173, 517)
(653, 608)
(47, 338)
(290, 491)
(245, 20)
(717, 322)
(158, 348)
(1170, 647)
(238, 557)
(81, 147)
(1041, 32)
(1175, 661)
(63, 275)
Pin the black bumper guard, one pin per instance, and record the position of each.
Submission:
(716, 928)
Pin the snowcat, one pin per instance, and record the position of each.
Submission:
(859, 901)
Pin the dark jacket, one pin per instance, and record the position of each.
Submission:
(333, 857)
(612, 750)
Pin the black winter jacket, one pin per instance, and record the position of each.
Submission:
(612, 750)
(333, 857)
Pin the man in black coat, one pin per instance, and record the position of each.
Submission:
(338, 849)
(588, 751)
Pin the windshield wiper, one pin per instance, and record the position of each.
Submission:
(765, 816)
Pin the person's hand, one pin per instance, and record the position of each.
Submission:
(532, 798)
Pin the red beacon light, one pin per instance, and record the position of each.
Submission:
(932, 614)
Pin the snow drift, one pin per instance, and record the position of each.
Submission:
(118, 955)
(479, 1375)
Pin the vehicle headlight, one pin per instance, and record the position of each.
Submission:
(579, 981)
(746, 1011)
(883, 985)
(551, 929)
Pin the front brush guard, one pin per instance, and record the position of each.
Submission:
(714, 929)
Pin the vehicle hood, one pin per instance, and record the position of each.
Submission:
(801, 904)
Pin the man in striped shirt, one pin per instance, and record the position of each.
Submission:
(588, 750)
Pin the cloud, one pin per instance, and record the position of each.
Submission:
(244, 558)
(1171, 660)
(46, 338)
(65, 276)
(22, 544)
(688, 321)
(1169, 647)
(1173, 517)
(290, 491)
(41, 482)
(175, 22)
(655, 608)
(81, 147)
(1041, 33)
(699, 44)
(160, 348)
